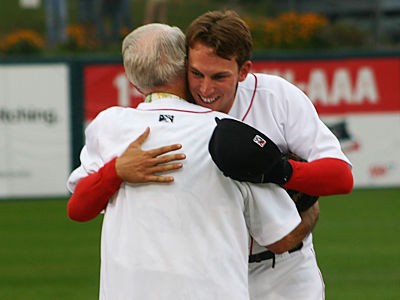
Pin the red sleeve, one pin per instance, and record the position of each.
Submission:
(93, 192)
(322, 177)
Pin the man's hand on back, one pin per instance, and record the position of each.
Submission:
(138, 166)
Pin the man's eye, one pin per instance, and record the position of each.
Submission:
(219, 77)
(196, 73)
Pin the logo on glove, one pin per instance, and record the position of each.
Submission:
(259, 141)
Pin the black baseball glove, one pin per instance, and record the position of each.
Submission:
(243, 153)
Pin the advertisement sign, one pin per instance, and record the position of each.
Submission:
(357, 98)
(341, 86)
(34, 130)
(371, 142)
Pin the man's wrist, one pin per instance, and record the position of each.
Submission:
(112, 171)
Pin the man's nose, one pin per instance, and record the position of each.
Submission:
(206, 87)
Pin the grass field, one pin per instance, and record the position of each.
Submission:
(358, 246)
(44, 255)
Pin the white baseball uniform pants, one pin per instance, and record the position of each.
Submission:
(295, 276)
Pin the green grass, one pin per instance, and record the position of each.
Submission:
(358, 246)
(44, 255)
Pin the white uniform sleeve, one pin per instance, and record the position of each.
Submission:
(305, 133)
(270, 213)
(91, 160)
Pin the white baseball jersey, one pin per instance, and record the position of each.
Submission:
(187, 239)
(287, 116)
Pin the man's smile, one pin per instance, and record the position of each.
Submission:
(208, 100)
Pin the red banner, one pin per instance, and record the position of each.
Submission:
(335, 86)
(346, 85)
(106, 86)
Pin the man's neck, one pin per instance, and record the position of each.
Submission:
(173, 91)
(176, 87)
(160, 96)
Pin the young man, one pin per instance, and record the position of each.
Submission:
(186, 239)
(219, 48)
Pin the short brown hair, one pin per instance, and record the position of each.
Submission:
(225, 32)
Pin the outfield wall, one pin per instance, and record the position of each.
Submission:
(44, 106)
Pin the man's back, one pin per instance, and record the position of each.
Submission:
(168, 228)
(187, 239)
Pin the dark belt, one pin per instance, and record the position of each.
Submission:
(259, 257)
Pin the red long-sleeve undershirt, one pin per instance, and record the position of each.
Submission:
(322, 177)
(92, 193)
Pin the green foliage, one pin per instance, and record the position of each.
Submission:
(289, 30)
(22, 42)
(343, 35)
(271, 28)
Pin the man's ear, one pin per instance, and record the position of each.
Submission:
(139, 90)
(244, 70)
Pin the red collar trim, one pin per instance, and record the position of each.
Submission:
(252, 98)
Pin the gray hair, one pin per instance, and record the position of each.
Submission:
(154, 54)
